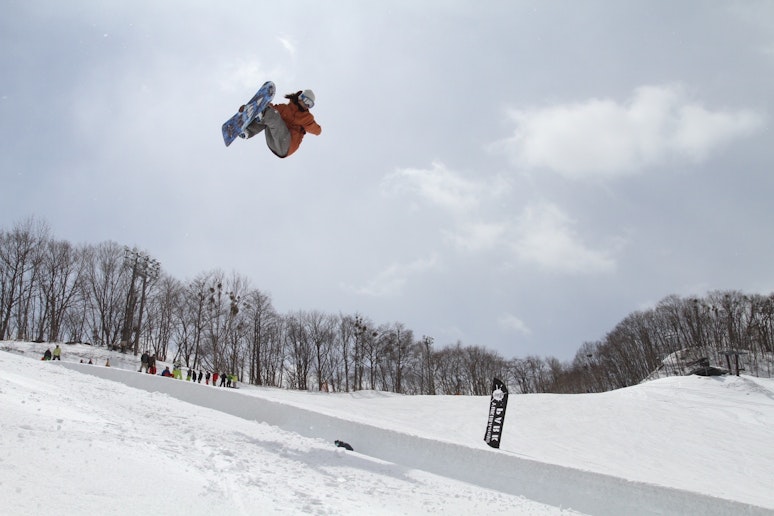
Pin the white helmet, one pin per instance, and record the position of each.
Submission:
(307, 97)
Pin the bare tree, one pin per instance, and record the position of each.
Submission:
(397, 344)
(274, 360)
(236, 330)
(193, 316)
(299, 351)
(451, 377)
(163, 322)
(60, 286)
(263, 326)
(318, 327)
(20, 260)
(345, 339)
(217, 310)
(106, 284)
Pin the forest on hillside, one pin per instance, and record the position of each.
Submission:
(111, 295)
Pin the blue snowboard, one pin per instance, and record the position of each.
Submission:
(236, 124)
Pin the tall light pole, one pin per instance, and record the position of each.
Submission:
(131, 257)
(147, 268)
(427, 344)
(360, 330)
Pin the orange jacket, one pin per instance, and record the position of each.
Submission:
(299, 123)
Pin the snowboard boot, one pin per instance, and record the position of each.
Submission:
(247, 133)
(254, 127)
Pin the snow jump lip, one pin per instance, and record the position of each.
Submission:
(559, 486)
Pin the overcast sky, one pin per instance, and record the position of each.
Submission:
(519, 175)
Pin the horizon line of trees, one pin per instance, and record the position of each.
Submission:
(109, 295)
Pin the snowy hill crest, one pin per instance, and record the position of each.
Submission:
(230, 447)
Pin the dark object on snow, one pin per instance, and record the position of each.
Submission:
(702, 367)
(342, 444)
(709, 371)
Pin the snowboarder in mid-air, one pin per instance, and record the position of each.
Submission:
(285, 124)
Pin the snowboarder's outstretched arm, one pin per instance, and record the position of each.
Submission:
(312, 127)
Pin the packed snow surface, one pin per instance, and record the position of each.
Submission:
(89, 439)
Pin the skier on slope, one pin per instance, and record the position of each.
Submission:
(286, 124)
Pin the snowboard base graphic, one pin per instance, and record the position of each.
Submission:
(255, 106)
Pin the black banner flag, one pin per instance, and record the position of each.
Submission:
(494, 427)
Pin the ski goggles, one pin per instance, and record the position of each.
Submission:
(309, 103)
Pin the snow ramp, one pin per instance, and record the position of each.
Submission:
(559, 486)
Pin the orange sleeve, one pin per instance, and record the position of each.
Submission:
(313, 127)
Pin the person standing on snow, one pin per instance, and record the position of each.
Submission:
(286, 124)
(144, 359)
(58, 353)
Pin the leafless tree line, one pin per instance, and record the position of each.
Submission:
(680, 333)
(53, 291)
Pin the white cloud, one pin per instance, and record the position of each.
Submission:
(602, 137)
(512, 323)
(288, 44)
(700, 130)
(545, 237)
(442, 187)
(390, 281)
(477, 236)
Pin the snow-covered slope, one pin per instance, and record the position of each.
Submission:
(133, 443)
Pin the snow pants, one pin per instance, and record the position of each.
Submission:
(277, 133)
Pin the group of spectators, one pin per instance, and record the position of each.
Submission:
(55, 355)
(148, 364)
